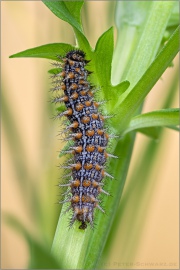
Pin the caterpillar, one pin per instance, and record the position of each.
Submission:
(86, 129)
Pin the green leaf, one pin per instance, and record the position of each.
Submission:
(130, 103)
(103, 53)
(67, 11)
(101, 65)
(83, 43)
(161, 118)
(49, 51)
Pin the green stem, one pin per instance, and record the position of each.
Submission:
(150, 40)
(139, 38)
(131, 101)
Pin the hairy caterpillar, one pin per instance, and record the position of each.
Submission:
(86, 129)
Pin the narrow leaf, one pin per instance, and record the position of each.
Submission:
(127, 107)
(104, 52)
(67, 11)
(49, 51)
(161, 118)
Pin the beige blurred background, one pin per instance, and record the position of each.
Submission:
(25, 85)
